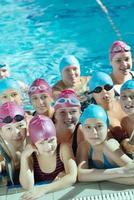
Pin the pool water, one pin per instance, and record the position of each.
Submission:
(35, 34)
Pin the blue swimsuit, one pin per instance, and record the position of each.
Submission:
(93, 164)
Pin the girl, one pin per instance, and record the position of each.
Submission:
(121, 61)
(13, 133)
(66, 118)
(127, 104)
(70, 72)
(45, 161)
(41, 97)
(10, 91)
(98, 158)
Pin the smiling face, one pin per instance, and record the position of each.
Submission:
(70, 75)
(47, 146)
(122, 64)
(95, 131)
(10, 96)
(14, 132)
(67, 118)
(127, 101)
(41, 103)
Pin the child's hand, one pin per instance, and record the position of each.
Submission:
(29, 150)
(129, 148)
(81, 165)
(33, 194)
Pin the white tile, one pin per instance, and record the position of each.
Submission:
(78, 190)
(3, 197)
(109, 187)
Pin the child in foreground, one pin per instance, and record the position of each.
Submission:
(44, 161)
(100, 159)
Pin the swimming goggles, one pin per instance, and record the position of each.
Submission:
(2, 65)
(99, 89)
(118, 49)
(72, 101)
(40, 87)
(10, 119)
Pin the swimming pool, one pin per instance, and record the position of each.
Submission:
(35, 34)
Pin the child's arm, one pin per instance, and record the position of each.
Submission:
(26, 173)
(85, 174)
(65, 181)
(114, 152)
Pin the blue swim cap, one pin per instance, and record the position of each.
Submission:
(128, 85)
(7, 84)
(68, 60)
(99, 79)
(4, 65)
(96, 112)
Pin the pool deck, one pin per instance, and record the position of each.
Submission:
(75, 192)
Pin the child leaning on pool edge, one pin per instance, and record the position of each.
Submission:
(98, 158)
(44, 161)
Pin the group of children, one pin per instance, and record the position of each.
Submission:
(69, 137)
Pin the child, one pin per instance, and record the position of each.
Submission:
(66, 118)
(70, 72)
(13, 132)
(41, 97)
(45, 161)
(100, 159)
(127, 103)
(10, 91)
(121, 61)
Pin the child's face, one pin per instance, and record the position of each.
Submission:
(67, 118)
(4, 72)
(41, 102)
(11, 95)
(47, 146)
(95, 131)
(127, 101)
(14, 132)
(122, 63)
(104, 97)
(70, 75)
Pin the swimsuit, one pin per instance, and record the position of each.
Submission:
(41, 176)
(74, 141)
(106, 162)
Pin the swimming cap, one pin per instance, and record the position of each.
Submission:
(40, 86)
(4, 65)
(67, 98)
(41, 127)
(96, 112)
(118, 46)
(10, 109)
(99, 79)
(8, 84)
(67, 93)
(69, 61)
(128, 85)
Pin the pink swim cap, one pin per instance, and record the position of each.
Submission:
(41, 127)
(40, 86)
(10, 112)
(67, 98)
(117, 47)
